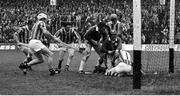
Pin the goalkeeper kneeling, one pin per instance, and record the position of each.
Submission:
(123, 64)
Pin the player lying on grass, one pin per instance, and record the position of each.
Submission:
(23, 36)
(36, 45)
(123, 64)
(68, 35)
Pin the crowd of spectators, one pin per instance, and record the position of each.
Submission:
(155, 17)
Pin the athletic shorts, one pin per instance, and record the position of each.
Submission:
(123, 67)
(36, 45)
(69, 50)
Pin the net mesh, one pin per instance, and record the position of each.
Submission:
(155, 61)
(156, 34)
(158, 61)
(155, 65)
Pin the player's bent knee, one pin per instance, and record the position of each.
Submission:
(45, 51)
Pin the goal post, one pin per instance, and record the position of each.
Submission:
(171, 36)
(137, 44)
(161, 55)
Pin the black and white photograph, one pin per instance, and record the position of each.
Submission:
(89, 47)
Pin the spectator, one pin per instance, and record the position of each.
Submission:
(154, 17)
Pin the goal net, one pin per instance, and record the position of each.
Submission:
(160, 36)
(155, 58)
(157, 45)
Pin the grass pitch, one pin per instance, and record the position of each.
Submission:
(39, 82)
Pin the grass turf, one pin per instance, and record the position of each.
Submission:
(39, 82)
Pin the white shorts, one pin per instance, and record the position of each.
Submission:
(123, 67)
(36, 45)
(87, 51)
(69, 50)
(120, 68)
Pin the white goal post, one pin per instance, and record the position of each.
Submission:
(171, 36)
(137, 46)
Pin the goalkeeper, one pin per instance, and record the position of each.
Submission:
(123, 64)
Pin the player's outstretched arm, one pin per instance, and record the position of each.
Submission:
(22, 44)
(58, 33)
(78, 37)
(49, 35)
(16, 37)
(88, 32)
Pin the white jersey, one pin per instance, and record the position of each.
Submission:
(125, 57)
(123, 65)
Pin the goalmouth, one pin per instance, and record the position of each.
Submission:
(137, 46)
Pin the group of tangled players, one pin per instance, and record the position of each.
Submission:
(103, 37)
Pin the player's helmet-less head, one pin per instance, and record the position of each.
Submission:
(102, 25)
(41, 16)
(113, 17)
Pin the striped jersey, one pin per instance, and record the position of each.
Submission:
(117, 28)
(125, 57)
(37, 30)
(67, 36)
(24, 34)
